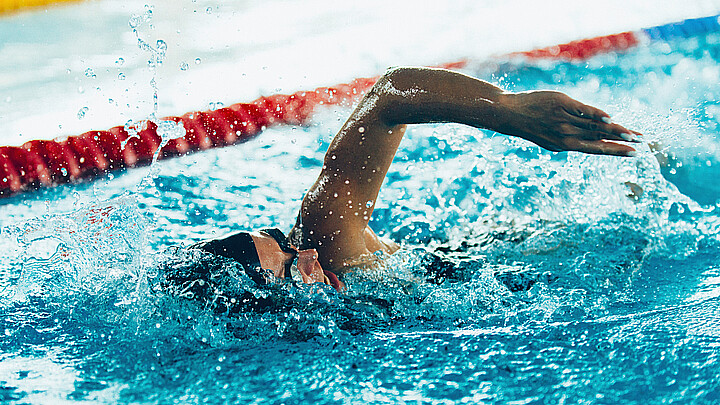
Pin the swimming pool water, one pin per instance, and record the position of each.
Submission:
(575, 279)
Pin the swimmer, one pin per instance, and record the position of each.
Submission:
(331, 234)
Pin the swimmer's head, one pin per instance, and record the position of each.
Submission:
(270, 250)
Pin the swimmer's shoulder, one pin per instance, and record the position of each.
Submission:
(376, 249)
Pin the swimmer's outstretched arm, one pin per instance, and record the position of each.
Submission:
(335, 211)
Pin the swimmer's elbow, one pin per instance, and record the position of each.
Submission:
(397, 92)
(398, 82)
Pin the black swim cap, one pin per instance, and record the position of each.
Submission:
(241, 248)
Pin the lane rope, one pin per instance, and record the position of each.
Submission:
(46, 163)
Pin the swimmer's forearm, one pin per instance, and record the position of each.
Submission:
(419, 96)
(550, 119)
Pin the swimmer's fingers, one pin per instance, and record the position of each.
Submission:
(592, 129)
(578, 109)
(600, 147)
(598, 121)
(557, 122)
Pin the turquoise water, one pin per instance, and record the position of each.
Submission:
(567, 278)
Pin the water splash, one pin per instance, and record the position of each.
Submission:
(157, 52)
(571, 274)
(168, 130)
(80, 250)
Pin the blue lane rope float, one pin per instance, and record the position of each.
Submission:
(684, 29)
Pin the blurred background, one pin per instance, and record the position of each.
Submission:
(76, 66)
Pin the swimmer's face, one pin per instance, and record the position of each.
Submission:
(273, 258)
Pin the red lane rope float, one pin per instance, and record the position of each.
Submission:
(43, 163)
(583, 49)
(46, 163)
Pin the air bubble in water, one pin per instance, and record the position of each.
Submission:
(197, 61)
(184, 66)
(208, 10)
(89, 72)
(121, 76)
(81, 113)
(369, 203)
(120, 61)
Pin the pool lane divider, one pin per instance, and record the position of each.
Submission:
(46, 163)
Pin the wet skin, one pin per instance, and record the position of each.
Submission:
(331, 232)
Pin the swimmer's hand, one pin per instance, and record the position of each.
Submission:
(557, 122)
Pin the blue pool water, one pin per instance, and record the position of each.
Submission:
(575, 279)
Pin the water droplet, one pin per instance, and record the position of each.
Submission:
(89, 72)
(197, 61)
(361, 129)
(135, 21)
(168, 130)
(184, 66)
(81, 113)
(369, 203)
(121, 76)
(208, 10)
(120, 61)
(215, 105)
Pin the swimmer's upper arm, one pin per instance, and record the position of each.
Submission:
(336, 209)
